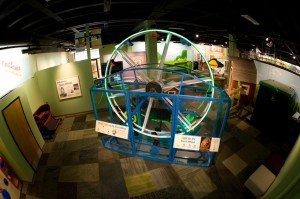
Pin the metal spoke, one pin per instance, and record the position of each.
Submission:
(147, 113)
(184, 83)
(163, 57)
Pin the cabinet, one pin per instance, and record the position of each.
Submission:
(46, 123)
(271, 112)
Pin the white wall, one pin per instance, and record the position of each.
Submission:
(47, 60)
(173, 50)
(15, 68)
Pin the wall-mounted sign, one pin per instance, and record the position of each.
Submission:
(96, 38)
(79, 41)
(68, 87)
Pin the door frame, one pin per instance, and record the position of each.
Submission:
(38, 148)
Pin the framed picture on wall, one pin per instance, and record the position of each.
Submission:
(68, 87)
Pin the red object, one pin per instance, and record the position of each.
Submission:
(154, 34)
(46, 123)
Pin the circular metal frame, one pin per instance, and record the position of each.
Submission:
(156, 84)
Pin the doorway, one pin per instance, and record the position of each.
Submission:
(21, 132)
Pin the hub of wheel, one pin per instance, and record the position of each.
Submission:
(153, 87)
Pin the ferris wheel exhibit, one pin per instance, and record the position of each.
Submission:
(160, 108)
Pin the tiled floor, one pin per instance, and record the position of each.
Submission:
(74, 164)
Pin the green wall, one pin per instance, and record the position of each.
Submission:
(106, 50)
(47, 84)
(36, 91)
(32, 90)
(8, 148)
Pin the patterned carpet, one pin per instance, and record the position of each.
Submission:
(74, 164)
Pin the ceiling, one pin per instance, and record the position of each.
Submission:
(50, 25)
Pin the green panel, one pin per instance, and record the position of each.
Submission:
(278, 87)
(47, 82)
(33, 94)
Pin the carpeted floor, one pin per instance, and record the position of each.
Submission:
(74, 164)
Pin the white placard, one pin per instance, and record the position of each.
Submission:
(187, 142)
(196, 143)
(112, 129)
(68, 87)
(214, 144)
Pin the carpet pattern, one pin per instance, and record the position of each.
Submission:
(74, 165)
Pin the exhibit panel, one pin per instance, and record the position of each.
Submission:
(162, 111)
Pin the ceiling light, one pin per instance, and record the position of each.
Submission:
(175, 28)
(197, 35)
(249, 18)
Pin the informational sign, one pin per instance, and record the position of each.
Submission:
(214, 144)
(112, 129)
(196, 143)
(68, 87)
(96, 41)
(79, 41)
(187, 142)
